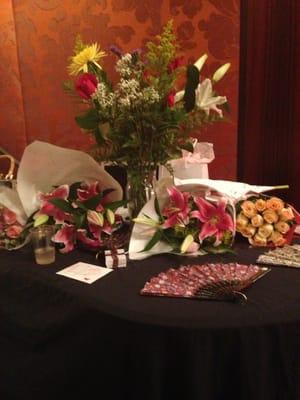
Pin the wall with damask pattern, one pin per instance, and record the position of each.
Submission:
(37, 37)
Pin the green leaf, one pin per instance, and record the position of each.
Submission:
(155, 239)
(89, 120)
(116, 204)
(79, 219)
(188, 146)
(93, 202)
(218, 249)
(62, 205)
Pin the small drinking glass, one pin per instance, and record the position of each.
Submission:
(44, 250)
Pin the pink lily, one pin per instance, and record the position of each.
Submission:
(62, 192)
(87, 191)
(215, 219)
(67, 236)
(178, 209)
(82, 237)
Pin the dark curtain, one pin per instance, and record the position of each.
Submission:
(269, 136)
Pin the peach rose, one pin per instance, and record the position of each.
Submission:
(274, 203)
(282, 227)
(241, 221)
(257, 220)
(248, 208)
(13, 231)
(258, 240)
(265, 230)
(286, 214)
(277, 239)
(248, 231)
(260, 205)
(270, 216)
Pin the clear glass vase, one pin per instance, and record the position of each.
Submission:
(139, 188)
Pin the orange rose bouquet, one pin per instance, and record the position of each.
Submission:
(266, 221)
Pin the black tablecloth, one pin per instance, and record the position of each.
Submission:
(60, 337)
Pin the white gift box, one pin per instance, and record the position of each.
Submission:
(191, 165)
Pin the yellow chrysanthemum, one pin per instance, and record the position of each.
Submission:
(79, 62)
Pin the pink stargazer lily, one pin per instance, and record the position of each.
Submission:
(90, 190)
(178, 209)
(62, 192)
(67, 236)
(91, 243)
(215, 219)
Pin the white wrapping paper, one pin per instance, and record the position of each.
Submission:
(141, 234)
(45, 165)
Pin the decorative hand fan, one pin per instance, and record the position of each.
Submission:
(207, 281)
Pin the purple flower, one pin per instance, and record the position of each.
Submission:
(116, 50)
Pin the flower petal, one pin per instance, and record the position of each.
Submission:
(66, 236)
(207, 230)
(206, 209)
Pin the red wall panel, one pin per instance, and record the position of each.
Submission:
(45, 31)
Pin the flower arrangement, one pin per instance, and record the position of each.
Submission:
(81, 214)
(142, 121)
(12, 232)
(265, 220)
(189, 222)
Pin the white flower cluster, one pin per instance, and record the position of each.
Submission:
(124, 65)
(105, 98)
(130, 94)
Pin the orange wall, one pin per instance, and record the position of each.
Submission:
(37, 38)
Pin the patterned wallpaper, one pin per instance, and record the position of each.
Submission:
(37, 38)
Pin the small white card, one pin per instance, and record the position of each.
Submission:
(83, 272)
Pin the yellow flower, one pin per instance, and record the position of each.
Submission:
(257, 220)
(89, 54)
(241, 221)
(258, 240)
(286, 214)
(270, 216)
(260, 205)
(282, 227)
(265, 230)
(277, 238)
(248, 208)
(248, 231)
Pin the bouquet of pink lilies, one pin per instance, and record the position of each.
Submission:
(189, 223)
(81, 213)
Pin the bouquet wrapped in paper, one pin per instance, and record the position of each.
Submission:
(43, 169)
(183, 219)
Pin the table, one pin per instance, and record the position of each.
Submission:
(60, 337)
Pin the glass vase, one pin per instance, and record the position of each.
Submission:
(139, 189)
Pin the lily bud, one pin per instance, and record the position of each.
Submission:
(200, 62)
(40, 220)
(220, 72)
(110, 216)
(186, 243)
(95, 218)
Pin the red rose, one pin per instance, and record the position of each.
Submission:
(171, 99)
(86, 85)
(176, 63)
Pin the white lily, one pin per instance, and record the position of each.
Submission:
(220, 72)
(200, 62)
(205, 99)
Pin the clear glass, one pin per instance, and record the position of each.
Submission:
(44, 250)
(139, 190)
